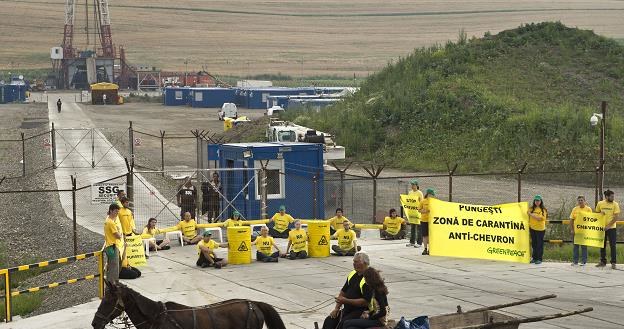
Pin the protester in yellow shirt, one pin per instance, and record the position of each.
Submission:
(415, 233)
(537, 228)
(335, 223)
(126, 218)
(611, 210)
(234, 221)
(188, 227)
(393, 227)
(347, 241)
(424, 219)
(205, 251)
(151, 230)
(297, 242)
(264, 247)
(581, 206)
(280, 222)
(113, 241)
(120, 194)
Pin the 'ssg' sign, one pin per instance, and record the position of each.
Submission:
(105, 193)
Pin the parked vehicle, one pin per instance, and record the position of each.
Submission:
(228, 110)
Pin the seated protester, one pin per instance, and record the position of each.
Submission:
(393, 227)
(335, 223)
(128, 272)
(126, 218)
(347, 241)
(280, 221)
(189, 230)
(234, 221)
(205, 250)
(264, 245)
(298, 240)
(377, 314)
(151, 230)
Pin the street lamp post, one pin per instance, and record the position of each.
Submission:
(602, 117)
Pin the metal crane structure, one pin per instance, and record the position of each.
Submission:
(99, 60)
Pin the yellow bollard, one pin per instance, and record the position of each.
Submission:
(101, 272)
(7, 295)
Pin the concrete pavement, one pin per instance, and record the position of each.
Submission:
(419, 285)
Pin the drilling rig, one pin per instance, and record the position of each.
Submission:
(99, 60)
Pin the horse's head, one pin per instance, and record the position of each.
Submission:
(110, 307)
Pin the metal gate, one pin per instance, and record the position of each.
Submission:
(83, 148)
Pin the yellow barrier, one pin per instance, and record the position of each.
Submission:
(369, 226)
(8, 294)
(239, 240)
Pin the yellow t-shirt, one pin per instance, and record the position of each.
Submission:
(538, 225)
(281, 222)
(298, 240)
(127, 220)
(393, 225)
(424, 205)
(264, 245)
(212, 244)
(578, 209)
(152, 232)
(336, 223)
(230, 222)
(611, 209)
(189, 229)
(345, 238)
(110, 228)
(418, 194)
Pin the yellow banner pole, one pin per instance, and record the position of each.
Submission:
(7, 296)
(101, 272)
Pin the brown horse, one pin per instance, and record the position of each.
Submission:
(148, 314)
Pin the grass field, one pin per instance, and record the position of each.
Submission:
(297, 38)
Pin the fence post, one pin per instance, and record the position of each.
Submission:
(53, 140)
(596, 187)
(75, 226)
(131, 143)
(23, 156)
(374, 172)
(451, 172)
(101, 272)
(162, 152)
(342, 173)
(520, 172)
(129, 181)
(7, 297)
(92, 147)
(263, 186)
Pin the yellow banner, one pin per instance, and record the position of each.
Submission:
(134, 251)
(589, 229)
(410, 206)
(498, 232)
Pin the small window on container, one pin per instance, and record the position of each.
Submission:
(178, 94)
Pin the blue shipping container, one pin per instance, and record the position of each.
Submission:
(12, 93)
(257, 98)
(212, 97)
(176, 96)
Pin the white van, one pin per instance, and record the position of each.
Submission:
(228, 110)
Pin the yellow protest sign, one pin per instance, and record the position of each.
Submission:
(410, 206)
(589, 229)
(498, 232)
(134, 251)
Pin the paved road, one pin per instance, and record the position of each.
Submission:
(418, 285)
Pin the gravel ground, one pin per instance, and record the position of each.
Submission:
(33, 226)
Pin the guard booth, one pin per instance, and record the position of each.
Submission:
(105, 93)
(294, 177)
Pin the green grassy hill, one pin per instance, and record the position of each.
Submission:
(522, 95)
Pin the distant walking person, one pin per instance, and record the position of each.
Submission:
(537, 228)
(187, 196)
(611, 210)
(211, 193)
(59, 104)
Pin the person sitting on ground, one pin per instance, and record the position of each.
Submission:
(280, 222)
(335, 223)
(151, 230)
(297, 242)
(126, 218)
(393, 227)
(189, 230)
(377, 314)
(128, 272)
(264, 245)
(205, 251)
(354, 297)
(347, 241)
(234, 221)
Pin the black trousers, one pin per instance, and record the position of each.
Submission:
(260, 256)
(537, 244)
(298, 255)
(276, 234)
(611, 235)
(342, 252)
(338, 322)
(400, 235)
(207, 261)
(362, 324)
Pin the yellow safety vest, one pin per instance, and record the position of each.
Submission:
(371, 305)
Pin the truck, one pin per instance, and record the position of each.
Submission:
(285, 131)
(228, 110)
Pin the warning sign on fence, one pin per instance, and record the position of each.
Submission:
(105, 193)
(137, 141)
